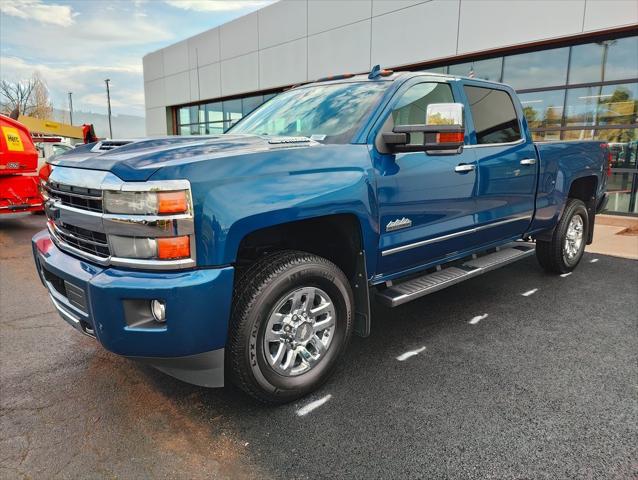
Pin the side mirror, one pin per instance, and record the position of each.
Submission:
(442, 133)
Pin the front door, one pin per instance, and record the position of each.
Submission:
(423, 198)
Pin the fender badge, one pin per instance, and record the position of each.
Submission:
(398, 224)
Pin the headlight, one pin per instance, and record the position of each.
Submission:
(162, 248)
(147, 203)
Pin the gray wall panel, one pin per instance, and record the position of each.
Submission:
(427, 30)
(282, 22)
(341, 50)
(327, 14)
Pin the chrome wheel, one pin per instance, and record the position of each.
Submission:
(299, 331)
(573, 238)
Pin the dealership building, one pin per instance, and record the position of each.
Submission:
(574, 63)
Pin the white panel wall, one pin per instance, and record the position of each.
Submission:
(282, 22)
(284, 64)
(293, 41)
(210, 85)
(427, 30)
(493, 23)
(203, 49)
(327, 14)
(379, 7)
(156, 121)
(341, 50)
(600, 14)
(239, 37)
(176, 58)
(178, 88)
(240, 74)
(194, 85)
(153, 65)
(154, 93)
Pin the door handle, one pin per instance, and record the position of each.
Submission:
(464, 168)
(528, 161)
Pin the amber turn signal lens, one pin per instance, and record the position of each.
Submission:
(173, 247)
(449, 137)
(172, 202)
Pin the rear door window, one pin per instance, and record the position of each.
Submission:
(494, 115)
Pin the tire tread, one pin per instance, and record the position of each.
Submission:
(250, 285)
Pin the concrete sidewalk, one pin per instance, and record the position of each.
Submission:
(616, 236)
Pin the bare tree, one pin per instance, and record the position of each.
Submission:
(27, 97)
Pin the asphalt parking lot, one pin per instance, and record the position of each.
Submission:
(492, 384)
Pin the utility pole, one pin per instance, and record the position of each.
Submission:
(108, 101)
(71, 108)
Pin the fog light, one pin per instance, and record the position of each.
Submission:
(159, 310)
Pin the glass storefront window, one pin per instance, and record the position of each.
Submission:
(586, 64)
(232, 111)
(214, 112)
(623, 145)
(215, 128)
(248, 104)
(582, 106)
(618, 104)
(577, 135)
(621, 188)
(543, 109)
(485, 69)
(536, 69)
(622, 58)
(184, 116)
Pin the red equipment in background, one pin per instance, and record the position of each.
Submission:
(18, 169)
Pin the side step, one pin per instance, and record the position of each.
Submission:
(433, 282)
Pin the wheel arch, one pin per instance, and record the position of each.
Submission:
(585, 188)
(337, 237)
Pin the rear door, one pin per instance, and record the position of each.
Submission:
(507, 164)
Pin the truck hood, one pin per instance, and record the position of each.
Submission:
(138, 160)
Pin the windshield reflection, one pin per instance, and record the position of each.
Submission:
(329, 113)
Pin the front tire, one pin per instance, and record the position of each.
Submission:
(291, 323)
(566, 248)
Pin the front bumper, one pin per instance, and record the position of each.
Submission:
(113, 305)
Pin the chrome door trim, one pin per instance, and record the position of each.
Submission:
(422, 243)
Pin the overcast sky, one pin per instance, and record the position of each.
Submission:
(76, 44)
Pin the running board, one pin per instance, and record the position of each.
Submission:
(433, 282)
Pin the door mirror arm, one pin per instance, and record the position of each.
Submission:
(437, 139)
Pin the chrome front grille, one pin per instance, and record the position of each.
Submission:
(88, 241)
(78, 197)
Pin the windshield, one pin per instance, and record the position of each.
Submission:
(327, 113)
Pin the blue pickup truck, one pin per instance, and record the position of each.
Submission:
(255, 255)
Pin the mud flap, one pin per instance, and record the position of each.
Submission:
(361, 297)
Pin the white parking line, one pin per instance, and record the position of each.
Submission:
(530, 292)
(566, 274)
(593, 260)
(313, 405)
(409, 353)
(477, 319)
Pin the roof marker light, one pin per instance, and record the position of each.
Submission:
(378, 72)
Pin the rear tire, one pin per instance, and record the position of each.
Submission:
(291, 323)
(565, 250)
